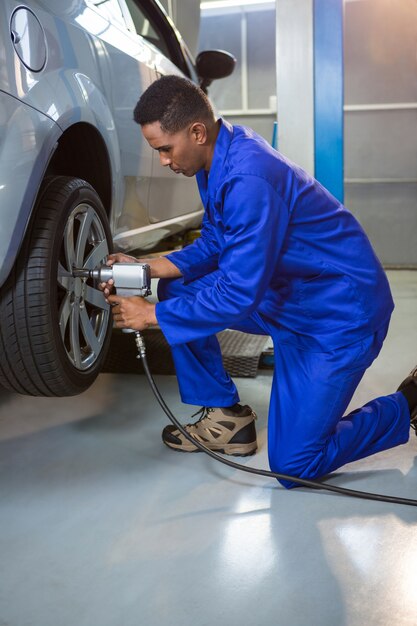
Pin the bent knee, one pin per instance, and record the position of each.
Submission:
(286, 474)
(291, 467)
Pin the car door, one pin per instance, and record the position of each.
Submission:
(170, 195)
(130, 67)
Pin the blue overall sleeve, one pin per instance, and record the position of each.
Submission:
(253, 225)
(199, 258)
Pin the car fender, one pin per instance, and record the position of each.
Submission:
(70, 97)
(28, 139)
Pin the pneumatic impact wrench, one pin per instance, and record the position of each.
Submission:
(134, 279)
(129, 279)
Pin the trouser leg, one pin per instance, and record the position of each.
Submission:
(311, 391)
(202, 378)
(307, 436)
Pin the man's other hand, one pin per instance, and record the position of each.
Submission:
(134, 312)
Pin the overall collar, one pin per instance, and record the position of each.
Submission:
(208, 181)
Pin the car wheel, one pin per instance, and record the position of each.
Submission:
(55, 328)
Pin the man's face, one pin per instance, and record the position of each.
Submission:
(183, 151)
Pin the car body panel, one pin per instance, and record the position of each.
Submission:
(94, 72)
(27, 138)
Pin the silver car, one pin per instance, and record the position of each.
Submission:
(76, 178)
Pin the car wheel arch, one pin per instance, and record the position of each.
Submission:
(92, 163)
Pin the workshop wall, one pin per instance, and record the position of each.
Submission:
(380, 138)
(377, 142)
(248, 97)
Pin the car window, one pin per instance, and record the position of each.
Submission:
(190, 63)
(147, 28)
(111, 9)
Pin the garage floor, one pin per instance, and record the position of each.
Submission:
(101, 525)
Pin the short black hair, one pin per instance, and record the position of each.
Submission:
(174, 102)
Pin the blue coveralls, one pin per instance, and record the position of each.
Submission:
(279, 255)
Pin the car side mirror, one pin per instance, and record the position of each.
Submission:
(213, 64)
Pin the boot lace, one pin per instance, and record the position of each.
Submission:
(204, 414)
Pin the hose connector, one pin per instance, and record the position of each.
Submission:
(140, 345)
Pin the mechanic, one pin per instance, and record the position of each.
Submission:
(280, 256)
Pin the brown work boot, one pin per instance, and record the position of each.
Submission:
(228, 430)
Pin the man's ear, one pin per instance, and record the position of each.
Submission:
(198, 131)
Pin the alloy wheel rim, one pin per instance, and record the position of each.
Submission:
(83, 314)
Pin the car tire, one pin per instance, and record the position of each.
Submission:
(55, 328)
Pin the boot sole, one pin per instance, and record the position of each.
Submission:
(232, 449)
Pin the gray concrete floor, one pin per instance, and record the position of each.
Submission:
(101, 525)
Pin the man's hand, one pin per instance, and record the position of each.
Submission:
(133, 312)
(118, 257)
(160, 267)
